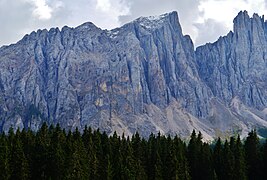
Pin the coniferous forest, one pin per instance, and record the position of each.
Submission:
(53, 153)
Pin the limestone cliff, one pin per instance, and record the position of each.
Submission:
(144, 76)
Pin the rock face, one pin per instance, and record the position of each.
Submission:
(236, 64)
(235, 67)
(143, 76)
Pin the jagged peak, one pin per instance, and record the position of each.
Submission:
(158, 17)
(151, 22)
(244, 18)
(244, 15)
(86, 26)
(66, 28)
(148, 22)
(52, 30)
(34, 34)
(241, 16)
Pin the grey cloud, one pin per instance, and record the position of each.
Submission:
(186, 9)
(13, 20)
(16, 17)
(209, 31)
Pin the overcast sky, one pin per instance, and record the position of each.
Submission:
(203, 20)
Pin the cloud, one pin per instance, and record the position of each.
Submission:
(209, 29)
(217, 17)
(103, 5)
(19, 17)
(41, 10)
(13, 20)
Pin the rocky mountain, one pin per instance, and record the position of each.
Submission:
(235, 69)
(144, 76)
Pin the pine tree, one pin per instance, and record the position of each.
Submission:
(169, 159)
(106, 163)
(217, 159)
(87, 134)
(57, 154)
(253, 159)
(116, 156)
(76, 160)
(18, 162)
(240, 165)
(128, 165)
(100, 156)
(227, 162)
(139, 157)
(182, 166)
(206, 166)
(151, 156)
(194, 154)
(41, 153)
(93, 162)
(158, 167)
(109, 169)
(28, 143)
(4, 158)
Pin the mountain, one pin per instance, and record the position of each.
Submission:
(144, 76)
(235, 69)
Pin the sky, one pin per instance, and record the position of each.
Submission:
(203, 20)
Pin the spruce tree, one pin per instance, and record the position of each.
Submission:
(57, 154)
(158, 167)
(217, 159)
(151, 156)
(240, 164)
(227, 162)
(169, 160)
(253, 157)
(206, 166)
(93, 162)
(18, 162)
(128, 169)
(40, 158)
(75, 168)
(100, 156)
(182, 162)
(139, 157)
(116, 156)
(194, 154)
(4, 158)
(110, 173)
(76, 160)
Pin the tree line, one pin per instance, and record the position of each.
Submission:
(53, 153)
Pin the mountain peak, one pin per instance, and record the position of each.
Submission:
(243, 22)
(87, 26)
(242, 16)
(160, 17)
(152, 22)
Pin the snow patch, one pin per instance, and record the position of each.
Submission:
(152, 22)
(113, 33)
